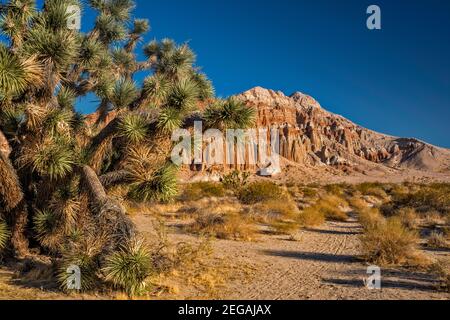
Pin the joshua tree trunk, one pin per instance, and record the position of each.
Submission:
(4, 145)
(10, 191)
(110, 214)
(12, 200)
(19, 221)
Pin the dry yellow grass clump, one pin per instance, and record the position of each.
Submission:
(330, 207)
(409, 218)
(311, 217)
(229, 226)
(387, 241)
(200, 190)
(437, 240)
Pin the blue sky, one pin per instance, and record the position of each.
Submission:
(394, 81)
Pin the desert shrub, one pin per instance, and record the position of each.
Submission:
(257, 192)
(409, 217)
(200, 190)
(331, 207)
(433, 219)
(388, 243)
(48, 229)
(309, 192)
(372, 189)
(231, 226)
(236, 180)
(369, 218)
(434, 197)
(129, 267)
(442, 270)
(285, 227)
(357, 203)
(311, 217)
(279, 208)
(437, 240)
(4, 234)
(85, 256)
(340, 189)
(334, 189)
(280, 215)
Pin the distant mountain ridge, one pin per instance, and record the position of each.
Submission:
(310, 135)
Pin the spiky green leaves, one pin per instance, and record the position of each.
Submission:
(140, 26)
(17, 75)
(170, 59)
(13, 23)
(49, 158)
(66, 98)
(157, 88)
(110, 30)
(60, 48)
(183, 96)
(124, 60)
(160, 186)
(205, 87)
(229, 114)
(128, 268)
(120, 9)
(55, 14)
(4, 234)
(133, 127)
(46, 226)
(169, 120)
(85, 256)
(124, 93)
(91, 53)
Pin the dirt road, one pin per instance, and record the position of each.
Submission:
(322, 264)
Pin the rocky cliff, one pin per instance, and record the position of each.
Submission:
(312, 136)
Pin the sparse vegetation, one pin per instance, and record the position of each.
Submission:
(437, 240)
(388, 242)
(229, 226)
(333, 207)
(442, 270)
(199, 190)
(129, 268)
(258, 192)
(311, 217)
(408, 217)
(236, 180)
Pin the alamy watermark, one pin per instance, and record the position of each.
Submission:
(74, 17)
(74, 278)
(373, 282)
(374, 20)
(235, 147)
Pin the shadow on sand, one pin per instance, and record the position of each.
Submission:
(312, 256)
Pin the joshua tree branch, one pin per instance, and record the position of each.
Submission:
(115, 177)
(110, 214)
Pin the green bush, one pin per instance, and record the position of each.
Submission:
(434, 197)
(200, 190)
(236, 180)
(128, 268)
(260, 192)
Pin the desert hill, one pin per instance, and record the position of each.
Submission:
(317, 145)
(311, 135)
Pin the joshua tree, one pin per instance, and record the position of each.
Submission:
(56, 167)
